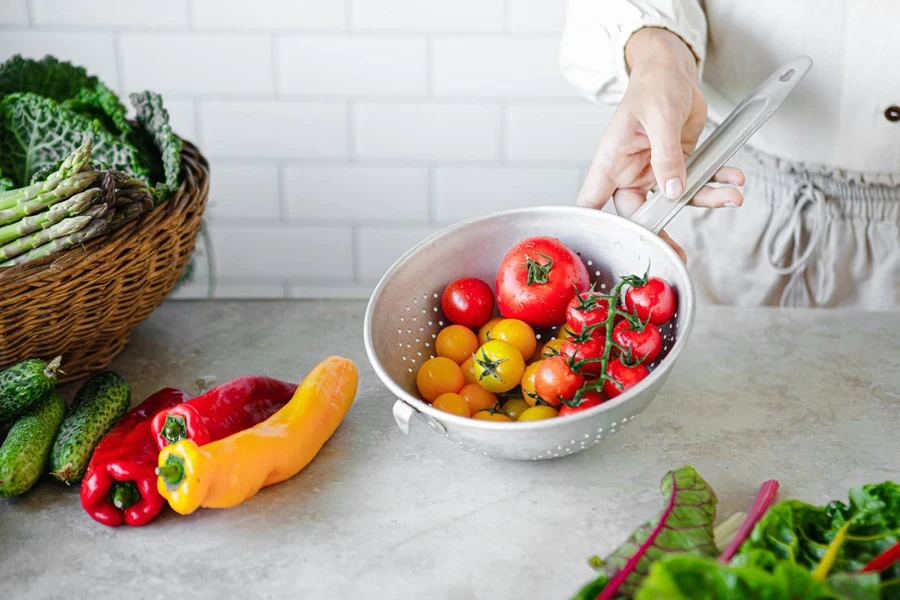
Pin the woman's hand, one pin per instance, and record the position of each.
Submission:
(654, 128)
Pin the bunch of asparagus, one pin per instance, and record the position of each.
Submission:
(73, 205)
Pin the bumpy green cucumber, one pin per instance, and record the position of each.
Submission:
(23, 385)
(24, 454)
(101, 401)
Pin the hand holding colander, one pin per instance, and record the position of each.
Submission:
(403, 316)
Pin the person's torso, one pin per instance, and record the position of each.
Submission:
(841, 114)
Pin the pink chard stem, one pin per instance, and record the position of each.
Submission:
(761, 505)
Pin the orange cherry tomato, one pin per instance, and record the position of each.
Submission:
(538, 413)
(529, 393)
(439, 376)
(456, 343)
(484, 332)
(517, 334)
(477, 397)
(552, 348)
(468, 369)
(453, 404)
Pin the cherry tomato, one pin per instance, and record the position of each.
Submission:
(486, 415)
(498, 366)
(484, 334)
(456, 343)
(644, 344)
(590, 349)
(468, 301)
(518, 334)
(529, 394)
(468, 370)
(514, 407)
(538, 413)
(453, 404)
(537, 279)
(555, 381)
(626, 375)
(655, 301)
(585, 310)
(553, 347)
(439, 376)
(588, 400)
(477, 397)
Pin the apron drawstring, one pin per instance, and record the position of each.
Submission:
(806, 195)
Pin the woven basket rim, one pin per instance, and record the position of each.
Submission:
(71, 258)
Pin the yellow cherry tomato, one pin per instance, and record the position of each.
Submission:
(518, 334)
(538, 413)
(529, 393)
(439, 376)
(552, 348)
(565, 332)
(498, 366)
(468, 369)
(514, 407)
(486, 415)
(483, 333)
(453, 404)
(478, 397)
(456, 343)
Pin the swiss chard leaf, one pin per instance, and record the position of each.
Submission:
(684, 526)
(37, 132)
(682, 577)
(837, 538)
(68, 85)
(157, 140)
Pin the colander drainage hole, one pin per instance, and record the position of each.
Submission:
(596, 273)
(410, 370)
(434, 309)
(407, 308)
(590, 263)
(403, 357)
(401, 319)
(434, 295)
(415, 300)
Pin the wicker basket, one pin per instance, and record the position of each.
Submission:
(83, 303)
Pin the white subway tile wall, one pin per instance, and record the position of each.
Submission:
(339, 132)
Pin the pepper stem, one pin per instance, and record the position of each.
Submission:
(175, 429)
(123, 494)
(172, 472)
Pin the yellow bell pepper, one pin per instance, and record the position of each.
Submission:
(227, 472)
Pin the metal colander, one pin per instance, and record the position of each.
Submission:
(404, 314)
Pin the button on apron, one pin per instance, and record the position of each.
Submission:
(892, 113)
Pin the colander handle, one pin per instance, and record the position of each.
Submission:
(722, 143)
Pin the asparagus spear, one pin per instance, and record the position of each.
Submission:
(74, 163)
(127, 196)
(66, 188)
(124, 182)
(30, 242)
(95, 228)
(68, 208)
(126, 214)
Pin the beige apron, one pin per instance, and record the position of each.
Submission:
(805, 236)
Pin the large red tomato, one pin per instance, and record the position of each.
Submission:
(537, 280)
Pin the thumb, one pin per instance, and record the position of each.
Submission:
(666, 157)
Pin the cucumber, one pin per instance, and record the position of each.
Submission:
(102, 400)
(24, 454)
(23, 385)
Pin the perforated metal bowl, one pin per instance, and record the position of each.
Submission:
(404, 314)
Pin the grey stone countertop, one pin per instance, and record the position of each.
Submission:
(811, 398)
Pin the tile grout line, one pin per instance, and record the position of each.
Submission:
(352, 157)
(355, 253)
(189, 16)
(507, 15)
(281, 191)
(29, 14)
(501, 135)
(431, 194)
(430, 68)
(348, 15)
(274, 65)
(120, 62)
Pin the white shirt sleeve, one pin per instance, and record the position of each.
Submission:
(592, 52)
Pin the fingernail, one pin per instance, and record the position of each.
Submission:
(674, 188)
(730, 205)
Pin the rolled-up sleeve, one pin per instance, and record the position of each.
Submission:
(592, 51)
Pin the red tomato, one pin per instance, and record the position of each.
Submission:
(468, 301)
(624, 374)
(655, 301)
(555, 381)
(644, 344)
(537, 279)
(591, 348)
(588, 399)
(585, 310)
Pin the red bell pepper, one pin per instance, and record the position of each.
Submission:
(120, 483)
(222, 411)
